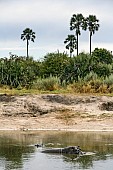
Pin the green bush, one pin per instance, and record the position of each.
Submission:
(50, 83)
(103, 70)
(90, 76)
(108, 80)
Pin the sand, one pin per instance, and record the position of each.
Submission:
(56, 112)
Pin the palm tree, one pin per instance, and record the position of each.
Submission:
(72, 43)
(28, 35)
(92, 25)
(76, 23)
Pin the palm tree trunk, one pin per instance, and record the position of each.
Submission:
(77, 44)
(70, 53)
(27, 48)
(90, 41)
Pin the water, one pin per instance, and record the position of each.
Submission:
(18, 150)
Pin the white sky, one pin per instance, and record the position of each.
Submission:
(50, 20)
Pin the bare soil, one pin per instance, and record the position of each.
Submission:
(56, 112)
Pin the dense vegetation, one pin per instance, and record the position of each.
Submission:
(82, 73)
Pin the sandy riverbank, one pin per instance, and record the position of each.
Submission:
(56, 112)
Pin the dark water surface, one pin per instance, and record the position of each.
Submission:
(17, 150)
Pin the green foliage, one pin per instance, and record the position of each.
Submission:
(78, 67)
(69, 73)
(102, 70)
(93, 84)
(50, 83)
(90, 76)
(81, 73)
(70, 69)
(53, 64)
(108, 80)
(102, 55)
(18, 71)
(83, 64)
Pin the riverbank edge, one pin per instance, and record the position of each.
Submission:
(65, 130)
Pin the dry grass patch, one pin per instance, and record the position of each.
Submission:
(69, 117)
(99, 117)
(66, 116)
(105, 115)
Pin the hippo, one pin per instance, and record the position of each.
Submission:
(66, 150)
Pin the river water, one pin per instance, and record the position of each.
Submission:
(18, 150)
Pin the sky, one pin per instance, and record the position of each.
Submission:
(50, 20)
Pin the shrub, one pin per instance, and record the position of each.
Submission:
(75, 87)
(108, 80)
(103, 70)
(110, 89)
(86, 88)
(90, 76)
(103, 89)
(50, 83)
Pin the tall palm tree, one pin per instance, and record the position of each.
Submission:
(92, 25)
(72, 43)
(75, 24)
(28, 35)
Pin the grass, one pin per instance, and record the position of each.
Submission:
(61, 90)
(23, 91)
(18, 92)
(90, 85)
(68, 116)
(106, 115)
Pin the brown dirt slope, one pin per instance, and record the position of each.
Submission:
(56, 112)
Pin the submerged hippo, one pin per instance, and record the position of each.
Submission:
(67, 150)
